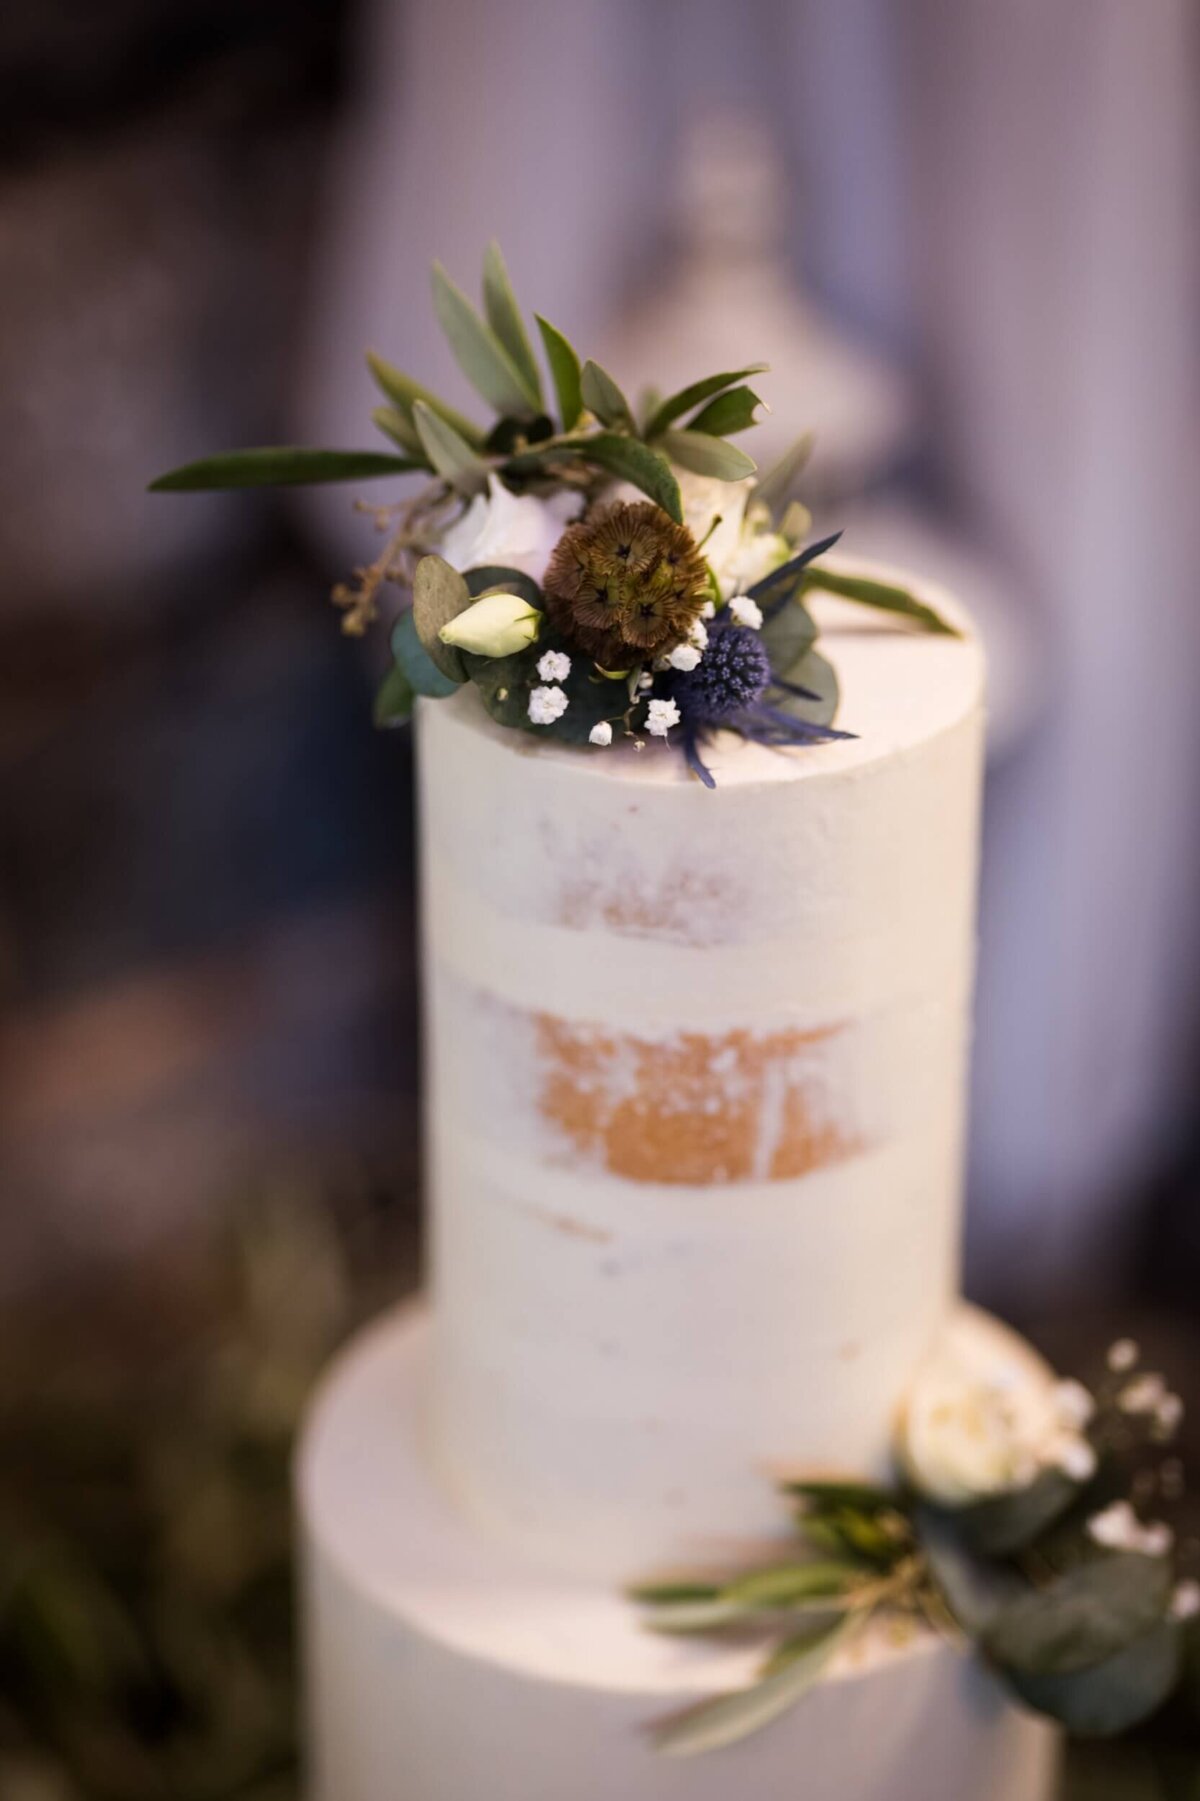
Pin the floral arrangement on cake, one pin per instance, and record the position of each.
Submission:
(596, 570)
(1016, 1524)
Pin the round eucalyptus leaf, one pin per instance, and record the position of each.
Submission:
(817, 675)
(490, 576)
(439, 595)
(1113, 1696)
(787, 634)
(425, 676)
(1006, 1523)
(1083, 1617)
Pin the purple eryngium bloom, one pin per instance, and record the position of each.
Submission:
(727, 687)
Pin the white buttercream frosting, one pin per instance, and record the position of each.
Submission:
(696, 1073)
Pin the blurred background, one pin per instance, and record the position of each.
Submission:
(965, 235)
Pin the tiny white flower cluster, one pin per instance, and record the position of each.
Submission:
(746, 611)
(1149, 1394)
(601, 733)
(1123, 1354)
(1185, 1601)
(554, 666)
(1118, 1528)
(547, 704)
(661, 715)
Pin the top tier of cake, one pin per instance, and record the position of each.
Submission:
(695, 1103)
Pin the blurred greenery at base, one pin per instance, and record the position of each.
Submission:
(147, 1642)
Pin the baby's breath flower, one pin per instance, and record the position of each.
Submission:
(554, 666)
(601, 733)
(1118, 1528)
(1074, 1456)
(1123, 1354)
(661, 715)
(709, 610)
(699, 634)
(684, 656)
(746, 611)
(1074, 1404)
(546, 705)
(1168, 1416)
(1185, 1601)
(1145, 1394)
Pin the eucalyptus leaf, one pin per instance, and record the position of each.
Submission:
(504, 685)
(729, 412)
(591, 698)
(489, 576)
(975, 1589)
(280, 466)
(404, 393)
(1083, 1617)
(603, 397)
(788, 634)
(730, 1718)
(439, 595)
(676, 405)
(775, 488)
(1007, 1523)
(704, 455)
(1110, 1697)
(423, 674)
(565, 372)
(619, 455)
(818, 677)
(451, 456)
(883, 595)
(504, 316)
(479, 353)
(394, 699)
(398, 426)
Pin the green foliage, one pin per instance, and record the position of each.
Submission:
(400, 429)
(504, 316)
(776, 488)
(729, 412)
(423, 674)
(1083, 1617)
(621, 456)
(404, 393)
(603, 397)
(818, 676)
(788, 634)
(479, 353)
(883, 595)
(1109, 1697)
(439, 595)
(705, 455)
(676, 405)
(504, 684)
(729, 1718)
(565, 371)
(1007, 1523)
(280, 466)
(394, 699)
(450, 455)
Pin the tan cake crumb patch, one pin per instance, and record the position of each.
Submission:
(698, 1109)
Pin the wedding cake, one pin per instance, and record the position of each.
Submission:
(692, 1475)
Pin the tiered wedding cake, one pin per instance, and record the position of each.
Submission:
(698, 977)
(696, 1066)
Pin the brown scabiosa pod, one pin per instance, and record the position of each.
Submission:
(625, 584)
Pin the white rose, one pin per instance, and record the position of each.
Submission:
(497, 625)
(518, 531)
(985, 1414)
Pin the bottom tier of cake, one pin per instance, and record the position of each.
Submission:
(440, 1668)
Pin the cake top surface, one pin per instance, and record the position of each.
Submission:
(899, 688)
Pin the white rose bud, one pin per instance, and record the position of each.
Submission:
(498, 625)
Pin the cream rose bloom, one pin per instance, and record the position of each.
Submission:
(742, 548)
(986, 1414)
(516, 530)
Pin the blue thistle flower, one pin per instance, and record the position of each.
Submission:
(727, 687)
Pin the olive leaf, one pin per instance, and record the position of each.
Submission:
(676, 405)
(394, 699)
(774, 489)
(439, 595)
(450, 455)
(791, 1582)
(398, 426)
(729, 412)
(1082, 1617)
(885, 595)
(619, 455)
(730, 1718)
(603, 397)
(504, 316)
(277, 466)
(479, 353)
(404, 393)
(1113, 1696)
(565, 371)
(423, 674)
(704, 455)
